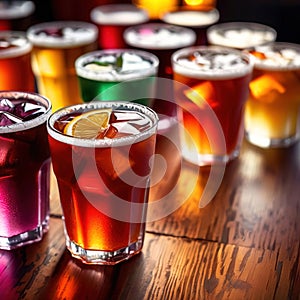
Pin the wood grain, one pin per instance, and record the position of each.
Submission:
(257, 204)
(24, 271)
(176, 268)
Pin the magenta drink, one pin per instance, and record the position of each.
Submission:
(24, 168)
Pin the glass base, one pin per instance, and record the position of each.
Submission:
(25, 238)
(210, 159)
(267, 142)
(99, 257)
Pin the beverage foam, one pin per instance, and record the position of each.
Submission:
(16, 9)
(211, 63)
(105, 65)
(118, 14)
(159, 36)
(277, 56)
(240, 35)
(139, 121)
(62, 34)
(192, 18)
(13, 43)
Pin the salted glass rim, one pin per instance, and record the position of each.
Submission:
(102, 143)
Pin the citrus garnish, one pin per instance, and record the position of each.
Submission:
(89, 125)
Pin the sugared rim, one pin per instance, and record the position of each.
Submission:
(213, 32)
(218, 74)
(102, 14)
(30, 123)
(22, 46)
(188, 37)
(89, 36)
(279, 46)
(16, 9)
(181, 17)
(82, 60)
(101, 143)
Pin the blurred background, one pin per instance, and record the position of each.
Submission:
(282, 15)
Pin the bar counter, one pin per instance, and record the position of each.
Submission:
(244, 244)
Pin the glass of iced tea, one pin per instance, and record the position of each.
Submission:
(56, 45)
(211, 89)
(102, 158)
(117, 73)
(240, 35)
(113, 19)
(16, 15)
(197, 20)
(272, 115)
(24, 168)
(15, 65)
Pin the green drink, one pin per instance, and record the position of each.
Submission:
(117, 74)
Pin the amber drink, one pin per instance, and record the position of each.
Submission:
(56, 45)
(101, 154)
(24, 168)
(212, 94)
(273, 109)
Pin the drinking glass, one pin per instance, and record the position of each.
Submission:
(56, 45)
(272, 117)
(15, 65)
(197, 20)
(16, 15)
(24, 168)
(240, 35)
(211, 88)
(117, 73)
(161, 40)
(103, 174)
(113, 19)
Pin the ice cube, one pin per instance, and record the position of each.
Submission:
(6, 105)
(7, 119)
(27, 110)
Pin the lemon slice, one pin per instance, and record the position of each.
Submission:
(89, 125)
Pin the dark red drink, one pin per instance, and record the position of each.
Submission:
(113, 19)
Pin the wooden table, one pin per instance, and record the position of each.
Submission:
(243, 245)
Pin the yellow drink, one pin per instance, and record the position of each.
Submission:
(56, 46)
(272, 110)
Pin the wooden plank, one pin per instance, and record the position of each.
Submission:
(176, 268)
(24, 271)
(257, 205)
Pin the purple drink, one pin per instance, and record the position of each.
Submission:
(24, 168)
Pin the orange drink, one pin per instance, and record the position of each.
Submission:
(273, 108)
(15, 67)
(56, 45)
(101, 154)
(211, 89)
